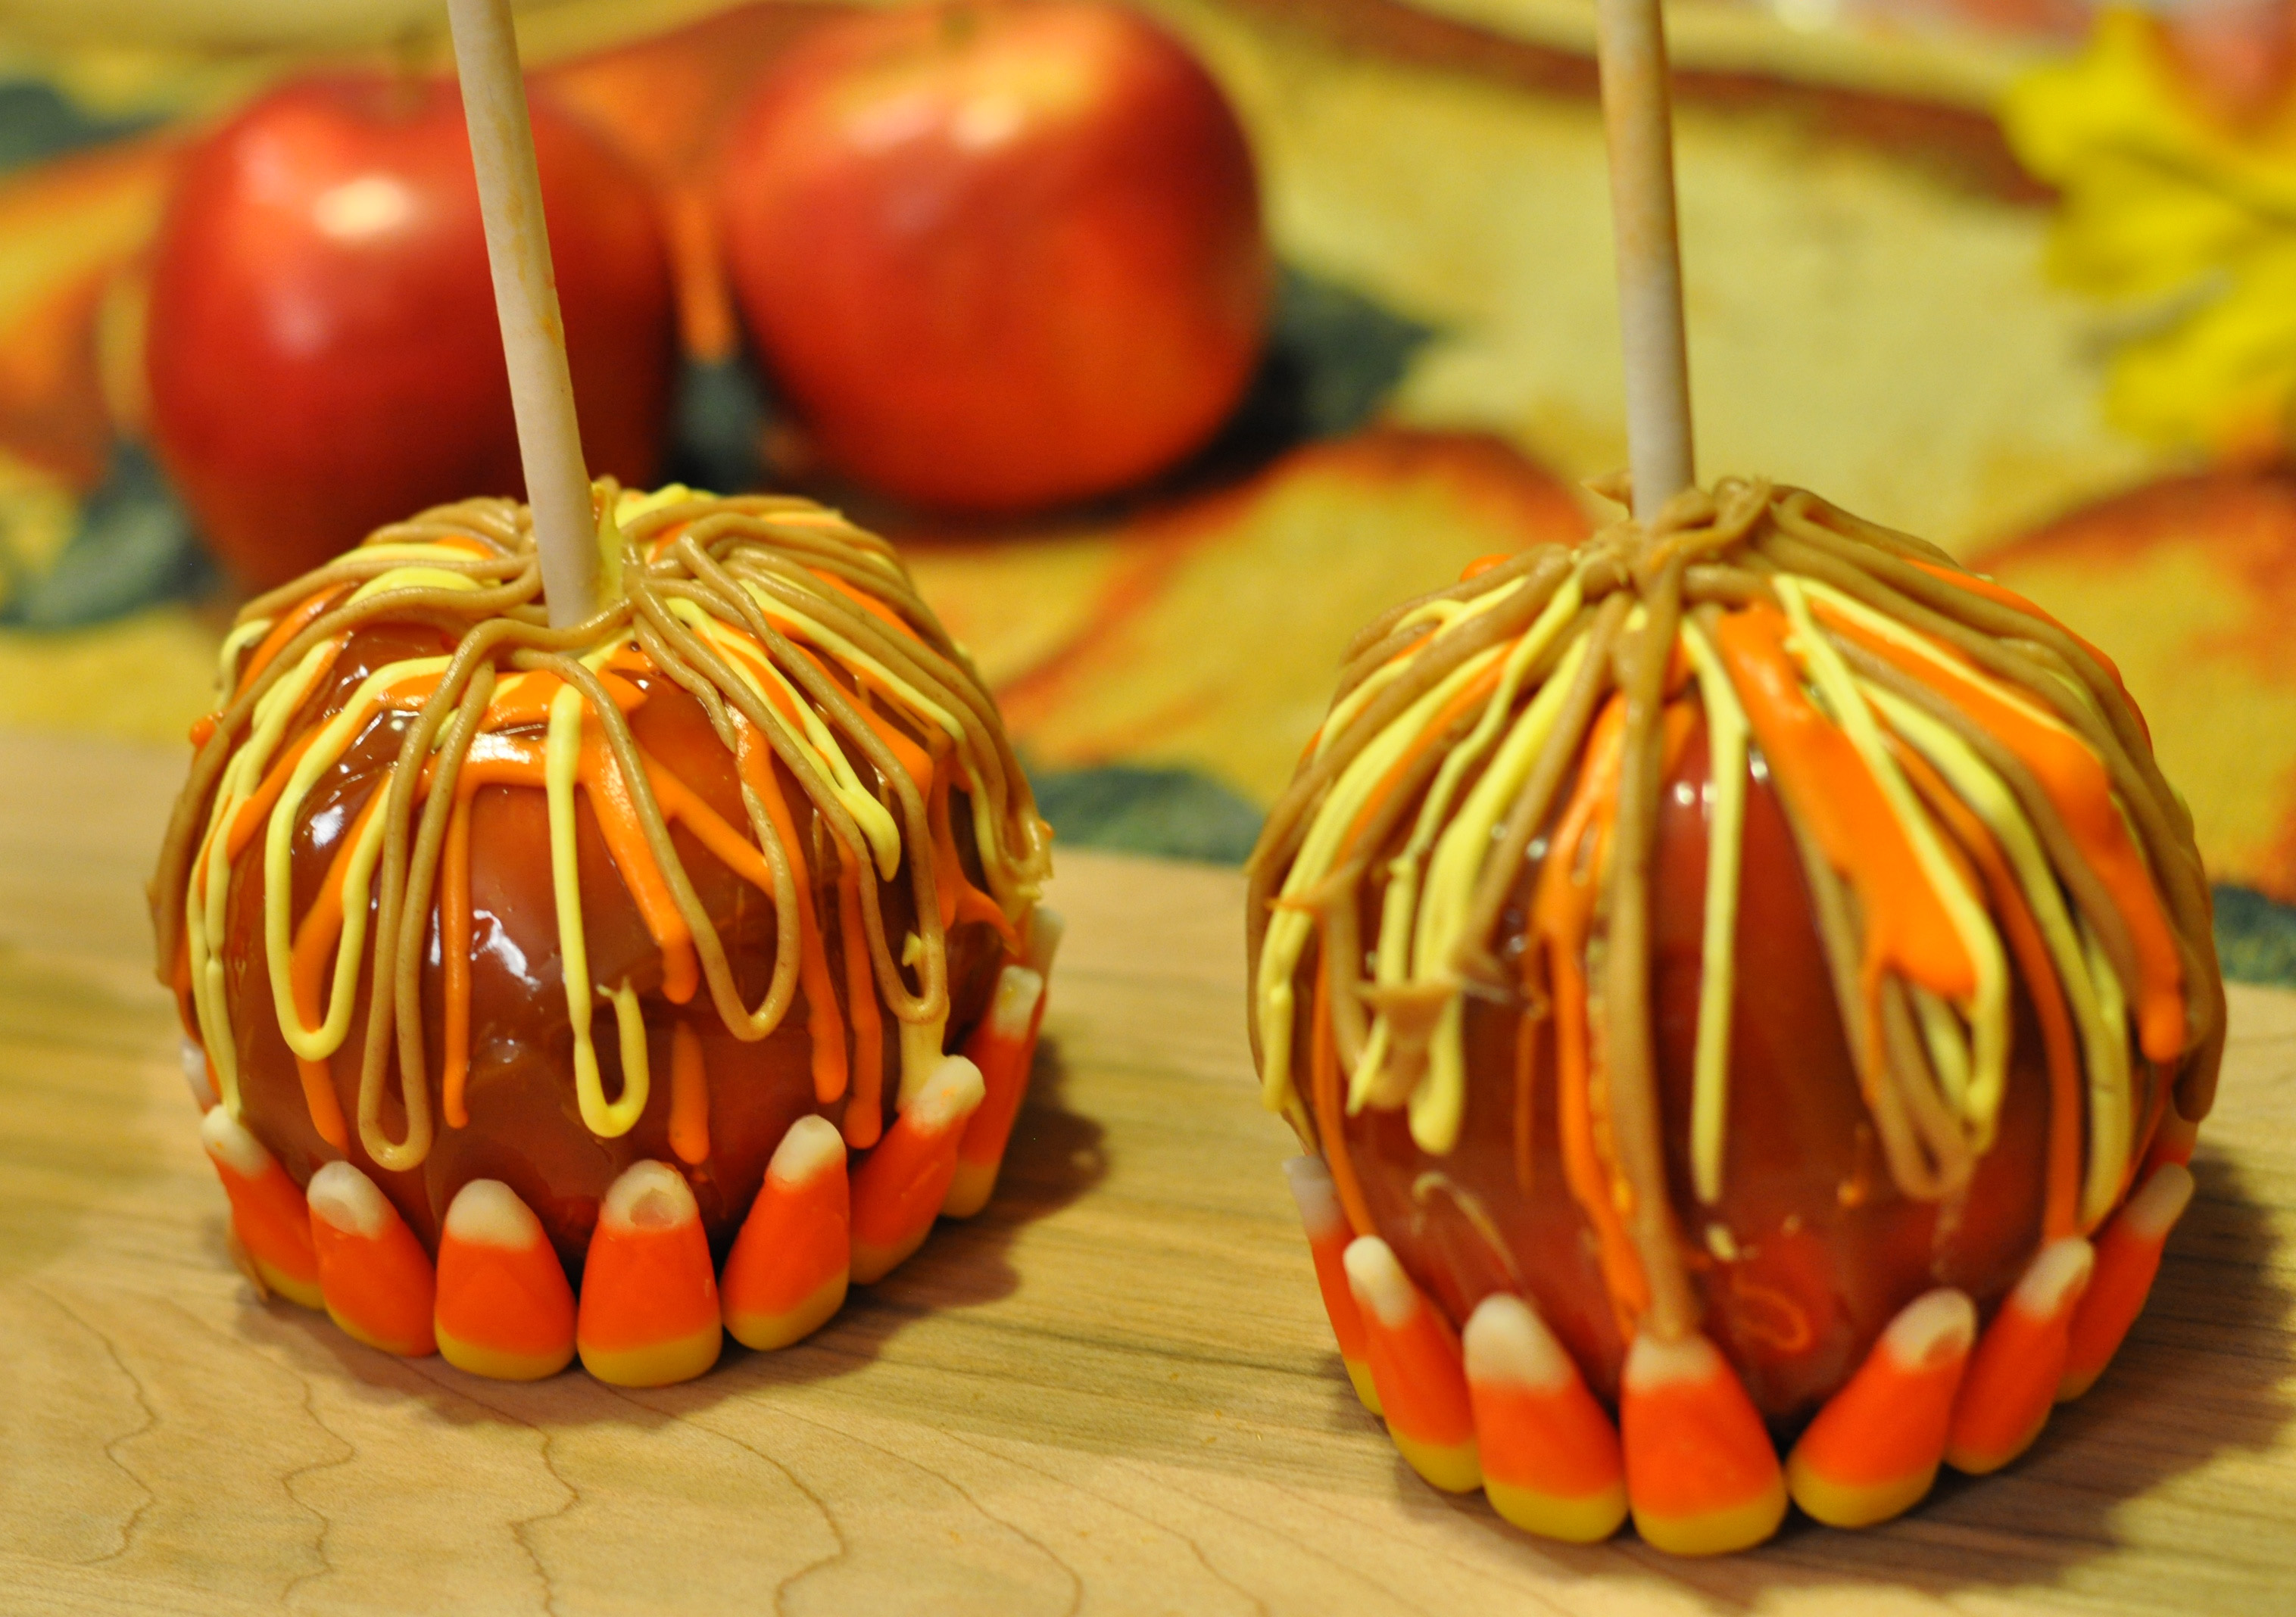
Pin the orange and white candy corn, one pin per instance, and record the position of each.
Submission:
(1550, 1456)
(649, 1312)
(1416, 1364)
(2128, 1258)
(1327, 1244)
(1003, 1046)
(379, 1283)
(1701, 1473)
(1874, 1450)
(504, 1308)
(899, 1189)
(199, 1075)
(787, 1273)
(268, 1217)
(2012, 1378)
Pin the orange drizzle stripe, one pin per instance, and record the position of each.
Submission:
(2061, 1205)
(868, 603)
(313, 953)
(1331, 1120)
(455, 959)
(304, 614)
(1907, 929)
(600, 773)
(1561, 909)
(689, 1095)
(2002, 595)
(864, 1113)
(2081, 788)
(824, 1022)
(253, 812)
(680, 803)
(1475, 690)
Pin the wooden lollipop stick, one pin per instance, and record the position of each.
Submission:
(1630, 40)
(526, 302)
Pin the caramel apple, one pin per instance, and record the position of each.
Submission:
(1714, 971)
(542, 942)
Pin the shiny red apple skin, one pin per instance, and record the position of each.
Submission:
(999, 257)
(323, 352)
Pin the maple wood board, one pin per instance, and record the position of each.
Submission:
(1113, 1393)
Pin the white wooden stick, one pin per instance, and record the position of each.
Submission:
(526, 303)
(1630, 39)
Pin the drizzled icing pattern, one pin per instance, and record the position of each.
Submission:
(806, 646)
(1973, 793)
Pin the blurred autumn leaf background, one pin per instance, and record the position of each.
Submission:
(2019, 275)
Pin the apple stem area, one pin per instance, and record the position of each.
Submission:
(526, 301)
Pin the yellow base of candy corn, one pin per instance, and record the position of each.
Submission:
(1359, 1373)
(498, 1364)
(969, 1190)
(872, 1262)
(766, 1331)
(1589, 1520)
(658, 1364)
(1984, 1462)
(1854, 1503)
(358, 1333)
(2078, 1382)
(305, 1293)
(1453, 1468)
(1716, 1532)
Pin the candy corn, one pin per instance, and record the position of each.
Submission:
(1003, 1048)
(649, 1311)
(1327, 1244)
(1874, 1450)
(504, 1308)
(197, 1076)
(1550, 1456)
(1046, 927)
(1701, 1473)
(900, 1186)
(2019, 1359)
(1415, 1365)
(267, 1213)
(787, 1273)
(377, 1279)
(2127, 1257)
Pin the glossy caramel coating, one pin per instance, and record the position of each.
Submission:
(524, 1128)
(1821, 1249)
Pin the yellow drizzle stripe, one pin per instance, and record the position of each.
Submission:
(1291, 925)
(317, 1044)
(1987, 1011)
(751, 664)
(240, 639)
(562, 757)
(921, 709)
(1343, 714)
(2110, 1123)
(1989, 798)
(1400, 902)
(1440, 1101)
(207, 894)
(1726, 731)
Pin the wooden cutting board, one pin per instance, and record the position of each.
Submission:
(1113, 1393)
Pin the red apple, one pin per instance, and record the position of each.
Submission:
(323, 352)
(999, 256)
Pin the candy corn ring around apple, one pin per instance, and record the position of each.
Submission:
(540, 974)
(1745, 992)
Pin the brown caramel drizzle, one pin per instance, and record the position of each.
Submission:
(806, 647)
(1972, 792)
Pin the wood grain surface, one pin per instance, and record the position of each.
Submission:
(1113, 1393)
